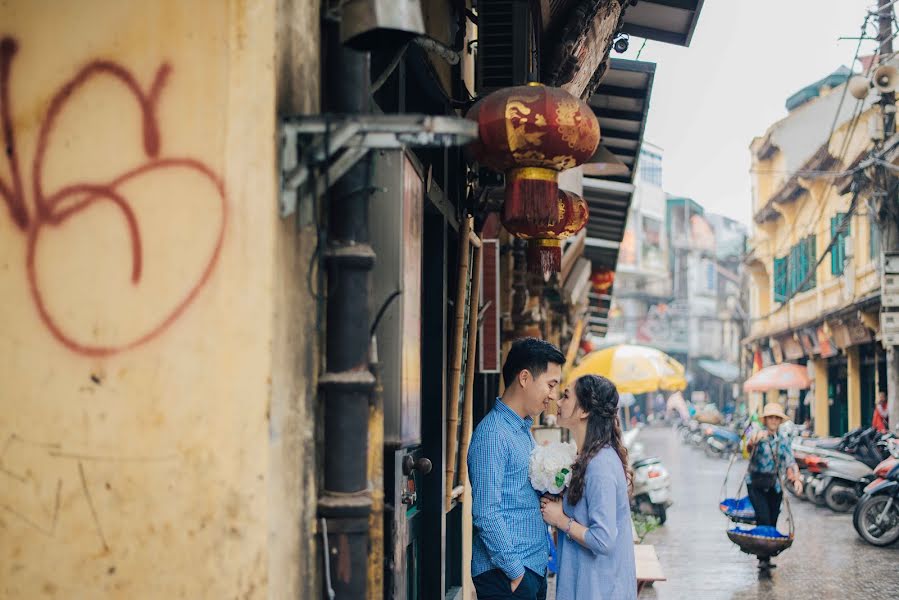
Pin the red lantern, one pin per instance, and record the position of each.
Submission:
(545, 241)
(601, 281)
(530, 133)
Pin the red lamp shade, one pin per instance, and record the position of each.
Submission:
(601, 281)
(545, 241)
(531, 133)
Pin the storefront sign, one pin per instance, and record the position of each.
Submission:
(858, 333)
(809, 340)
(840, 334)
(777, 353)
(792, 350)
(826, 345)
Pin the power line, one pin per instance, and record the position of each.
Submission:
(844, 224)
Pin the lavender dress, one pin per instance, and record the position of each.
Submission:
(605, 569)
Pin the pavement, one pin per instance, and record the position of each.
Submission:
(827, 560)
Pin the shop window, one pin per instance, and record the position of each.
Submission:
(838, 253)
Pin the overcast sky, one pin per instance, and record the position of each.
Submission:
(746, 57)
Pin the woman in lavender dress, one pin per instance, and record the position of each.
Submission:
(596, 547)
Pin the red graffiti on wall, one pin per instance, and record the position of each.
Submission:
(56, 208)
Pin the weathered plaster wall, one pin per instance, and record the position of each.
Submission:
(147, 325)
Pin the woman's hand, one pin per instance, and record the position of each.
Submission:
(553, 513)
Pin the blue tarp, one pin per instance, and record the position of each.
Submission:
(738, 509)
(766, 531)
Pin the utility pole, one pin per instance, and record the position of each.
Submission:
(889, 229)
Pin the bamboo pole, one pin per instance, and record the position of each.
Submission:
(375, 589)
(467, 412)
(452, 398)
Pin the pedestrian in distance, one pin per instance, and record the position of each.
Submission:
(510, 549)
(596, 547)
(770, 457)
(881, 421)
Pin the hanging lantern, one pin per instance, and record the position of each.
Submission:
(530, 133)
(601, 281)
(544, 252)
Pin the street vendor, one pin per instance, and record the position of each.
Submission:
(771, 456)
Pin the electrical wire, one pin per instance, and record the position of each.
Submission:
(844, 225)
(844, 147)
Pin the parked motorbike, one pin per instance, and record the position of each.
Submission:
(876, 516)
(652, 488)
(721, 441)
(840, 482)
(835, 471)
(652, 482)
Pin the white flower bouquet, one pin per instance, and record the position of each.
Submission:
(550, 467)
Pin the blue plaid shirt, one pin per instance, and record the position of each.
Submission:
(509, 530)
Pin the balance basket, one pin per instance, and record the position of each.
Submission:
(761, 545)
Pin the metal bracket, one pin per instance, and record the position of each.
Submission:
(319, 149)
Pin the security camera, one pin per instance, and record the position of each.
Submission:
(621, 43)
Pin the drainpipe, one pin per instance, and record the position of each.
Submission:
(345, 502)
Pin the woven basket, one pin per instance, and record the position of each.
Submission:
(759, 545)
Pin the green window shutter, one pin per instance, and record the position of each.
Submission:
(838, 253)
(811, 250)
(780, 279)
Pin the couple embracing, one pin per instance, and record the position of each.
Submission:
(593, 519)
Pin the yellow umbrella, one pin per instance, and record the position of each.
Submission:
(633, 369)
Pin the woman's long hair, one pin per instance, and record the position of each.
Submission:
(598, 397)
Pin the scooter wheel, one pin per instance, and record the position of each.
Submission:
(661, 513)
(873, 529)
(838, 498)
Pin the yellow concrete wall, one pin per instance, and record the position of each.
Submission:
(141, 300)
(810, 214)
(854, 387)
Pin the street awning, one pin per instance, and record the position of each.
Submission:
(785, 376)
(669, 21)
(725, 371)
(621, 102)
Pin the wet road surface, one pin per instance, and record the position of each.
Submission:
(827, 560)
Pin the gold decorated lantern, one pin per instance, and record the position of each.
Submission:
(544, 253)
(531, 133)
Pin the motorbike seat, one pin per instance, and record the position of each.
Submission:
(645, 462)
(829, 444)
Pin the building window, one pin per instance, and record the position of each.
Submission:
(780, 279)
(804, 271)
(838, 252)
(795, 272)
(650, 169)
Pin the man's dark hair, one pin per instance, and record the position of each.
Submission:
(532, 354)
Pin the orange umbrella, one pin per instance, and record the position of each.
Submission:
(785, 376)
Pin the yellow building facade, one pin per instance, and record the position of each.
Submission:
(156, 426)
(813, 263)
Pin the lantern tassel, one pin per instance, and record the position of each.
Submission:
(544, 256)
(532, 196)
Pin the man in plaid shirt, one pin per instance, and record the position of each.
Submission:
(510, 549)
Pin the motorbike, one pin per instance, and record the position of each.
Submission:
(839, 483)
(721, 441)
(652, 482)
(652, 488)
(836, 471)
(876, 516)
